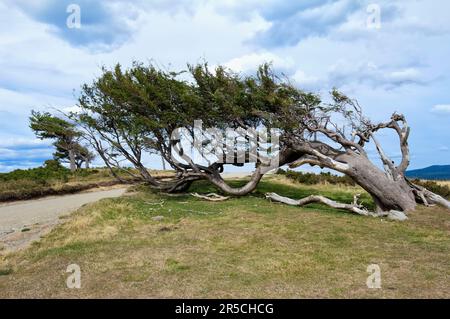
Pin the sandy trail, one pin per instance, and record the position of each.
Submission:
(25, 221)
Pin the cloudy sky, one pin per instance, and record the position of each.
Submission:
(390, 55)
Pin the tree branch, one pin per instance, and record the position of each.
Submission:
(387, 162)
(354, 207)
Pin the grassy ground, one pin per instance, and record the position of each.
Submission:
(28, 186)
(243, 247)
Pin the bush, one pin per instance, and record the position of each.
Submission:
(311, 178)
(51, 172)
(41, 175)
(434, 187)
(53, 164)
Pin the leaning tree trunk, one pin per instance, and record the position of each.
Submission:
(387, 193)
(73, 165)
(392, 193)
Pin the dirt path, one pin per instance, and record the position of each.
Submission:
(25, 221)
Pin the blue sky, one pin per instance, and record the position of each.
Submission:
(402, 66)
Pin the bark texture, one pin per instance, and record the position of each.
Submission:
(388, 186)
(353, 208)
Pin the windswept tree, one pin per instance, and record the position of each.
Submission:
(83, 156)
(128, 113)
(65, 136)
(132, 112)
(111, 121)
(330, 135)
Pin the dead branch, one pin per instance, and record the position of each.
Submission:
(354, 207)
(387, 162)
(427, 197)
(212, 197)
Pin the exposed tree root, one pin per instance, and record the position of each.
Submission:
(354, 207)
(427, 197)
(212, 197)
(436, 199)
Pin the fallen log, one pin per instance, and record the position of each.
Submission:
(354, 207)
(212, 197)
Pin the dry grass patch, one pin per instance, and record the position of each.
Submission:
(444, 183)
(242, 248)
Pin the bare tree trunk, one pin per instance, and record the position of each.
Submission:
(107, 163)
(427, 197)
(163, 163)
(145, 173)
(388, 194)
(250, 186)
(73, 165)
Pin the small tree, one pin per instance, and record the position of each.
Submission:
(65, 135)
(82, 155)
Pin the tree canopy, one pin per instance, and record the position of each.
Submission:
(65, 135)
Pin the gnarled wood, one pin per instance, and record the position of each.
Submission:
(427, 197)
(353, 208)
(212, 197)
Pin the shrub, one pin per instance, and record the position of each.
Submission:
(434, 187)
(311, 178)
(51, 171)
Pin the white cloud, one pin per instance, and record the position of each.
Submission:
(304, 80)
(17, 141)
(441, 108)
(252, 61)
(71, 109)
(369, 73)
(395, 65)
(8, 154)
(16, 102)
(402, 75)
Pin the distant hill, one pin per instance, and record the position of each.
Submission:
(439, 172)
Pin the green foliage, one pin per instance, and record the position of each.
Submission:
(65, 135)
(51, 171)
(81, 153)
(232, 100)
(139, 108)
(6, 271)
(312, 179)
(48, 126)
(53, 164)
(137, 105)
